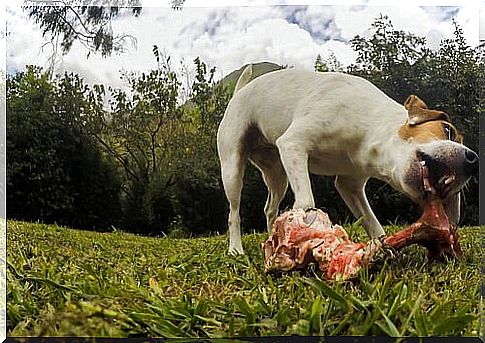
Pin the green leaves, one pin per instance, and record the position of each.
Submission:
(90, 24)
(48, 141)
(389, 328)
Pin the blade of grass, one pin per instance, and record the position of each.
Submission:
(415, 307)
(327, 291)
(390, 328)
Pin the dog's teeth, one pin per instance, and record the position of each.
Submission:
(423, 163)
(449, 180)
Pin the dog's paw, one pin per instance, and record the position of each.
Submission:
(236, 250)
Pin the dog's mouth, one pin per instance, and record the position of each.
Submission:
(433, 229)
(437, 176)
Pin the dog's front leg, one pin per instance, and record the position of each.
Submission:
(294, 157)
(352, 191)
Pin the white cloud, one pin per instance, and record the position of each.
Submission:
(228, 37)
(342, 51)
(24, 40)
(482, 22)
(2, 38)
(354, 20)
(469, 19)
(318, 20)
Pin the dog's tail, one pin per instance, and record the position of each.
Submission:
(244, 78)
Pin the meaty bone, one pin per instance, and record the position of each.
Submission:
(300, 237)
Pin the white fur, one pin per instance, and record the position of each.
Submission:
(323, 123)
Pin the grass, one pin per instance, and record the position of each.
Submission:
(64, 282)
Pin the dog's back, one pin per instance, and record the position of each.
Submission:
(336, 101)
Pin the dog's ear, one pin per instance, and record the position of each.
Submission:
(419, 113)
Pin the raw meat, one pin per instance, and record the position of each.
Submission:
(300, 237)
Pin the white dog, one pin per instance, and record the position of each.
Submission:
(291, 122)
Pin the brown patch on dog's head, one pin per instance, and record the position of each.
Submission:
(424, 125)
(431, 130)
(419, 113)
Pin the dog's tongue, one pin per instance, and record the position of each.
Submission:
(432, 230)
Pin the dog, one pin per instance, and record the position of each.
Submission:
(291, 122)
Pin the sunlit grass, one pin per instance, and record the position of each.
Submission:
(64, 282)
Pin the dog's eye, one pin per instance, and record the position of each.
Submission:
(450, 132)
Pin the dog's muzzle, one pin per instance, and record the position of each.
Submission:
(471, 163)
(443, 175)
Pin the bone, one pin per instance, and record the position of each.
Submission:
(300, 237)
(432, 230)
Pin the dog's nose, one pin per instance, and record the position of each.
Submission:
(471, 162)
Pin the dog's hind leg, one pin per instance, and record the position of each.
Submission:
(274, 177)
(277, 183)
(352, 191)
(232, 167)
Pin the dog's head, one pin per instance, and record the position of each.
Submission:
(438, 145)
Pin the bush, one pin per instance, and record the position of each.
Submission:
(55, 172)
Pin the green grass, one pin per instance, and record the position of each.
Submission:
(64, 282)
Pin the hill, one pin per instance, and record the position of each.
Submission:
(259, 69)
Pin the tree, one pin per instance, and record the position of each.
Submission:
(140, 133)
(165, 151)
(89, 24)
(200, 198)
(331, 63)
(55, 172)
(392, 59)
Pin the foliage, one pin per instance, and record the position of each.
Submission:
(89, 24)
(55, 171)
(140, 131)
(162, 287)
(165, 152)
(200, 199)
(330, 63)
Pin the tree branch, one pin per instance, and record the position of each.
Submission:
(154, 133)
(120, 158)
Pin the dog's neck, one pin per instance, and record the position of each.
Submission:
(386, 156)
(391, 164)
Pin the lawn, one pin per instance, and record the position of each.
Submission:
(64, 282)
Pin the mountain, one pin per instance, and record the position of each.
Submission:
(258, 70)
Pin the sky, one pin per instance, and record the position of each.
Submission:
(230, 33)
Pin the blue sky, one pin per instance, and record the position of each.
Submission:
(230, 33)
